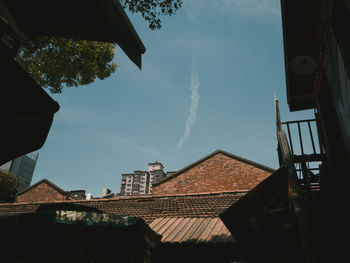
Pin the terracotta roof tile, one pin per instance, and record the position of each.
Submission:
(149, 207)
(180, 218)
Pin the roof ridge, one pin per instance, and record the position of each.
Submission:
(127, 198)
(258, 165)
(45, 180)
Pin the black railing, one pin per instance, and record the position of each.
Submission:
(288, 124)
(305, 152)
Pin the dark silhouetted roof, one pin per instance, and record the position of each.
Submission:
(103, 20)
(179, 218)
(26, 110)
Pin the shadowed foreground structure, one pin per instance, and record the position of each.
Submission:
(298, 214)
(186, 223)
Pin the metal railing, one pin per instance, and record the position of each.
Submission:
(306, 156)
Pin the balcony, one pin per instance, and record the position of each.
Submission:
(307, 155)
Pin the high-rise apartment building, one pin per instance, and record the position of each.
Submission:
(156, 173)
(140, 182)
(23, 169)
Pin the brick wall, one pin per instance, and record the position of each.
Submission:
(42, 192)
(218, 173)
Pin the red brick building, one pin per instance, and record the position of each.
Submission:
(184, 208)
(218, 171)
(44, 191)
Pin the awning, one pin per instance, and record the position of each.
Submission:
(26, 110)
(65, 233)
(302, 23)
(103, 20)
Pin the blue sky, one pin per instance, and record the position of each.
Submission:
(207, 82)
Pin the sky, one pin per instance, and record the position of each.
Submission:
(208, 81)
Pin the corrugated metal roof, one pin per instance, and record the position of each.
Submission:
(203, 230)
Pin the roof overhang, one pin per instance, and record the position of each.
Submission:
(261, 218)
(26, 110)
(302, 23)
(103, 20)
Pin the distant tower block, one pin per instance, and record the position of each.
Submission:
(23, 169)
(156, 173)
(140, 182)
(156, 166)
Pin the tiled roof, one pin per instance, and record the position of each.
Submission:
(152, 207)
(13, 209)
(181, 218)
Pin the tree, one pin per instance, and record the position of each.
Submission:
(8, 186)
(151, 10)
(58, 61)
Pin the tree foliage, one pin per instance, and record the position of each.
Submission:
(152, 10)
(8, 186)
(59, 62)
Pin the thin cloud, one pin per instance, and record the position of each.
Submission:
(193, 8)
(254, 7)
(263, 8)
(194, 86)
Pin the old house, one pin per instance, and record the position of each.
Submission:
(184, 209)
(46, 191)
(186, 222)
(218, 171)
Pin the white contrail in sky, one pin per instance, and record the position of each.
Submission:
(194, 86)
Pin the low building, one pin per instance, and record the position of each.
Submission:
(218, 171)
(47, 191)
(184, 210)
(185, 222)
